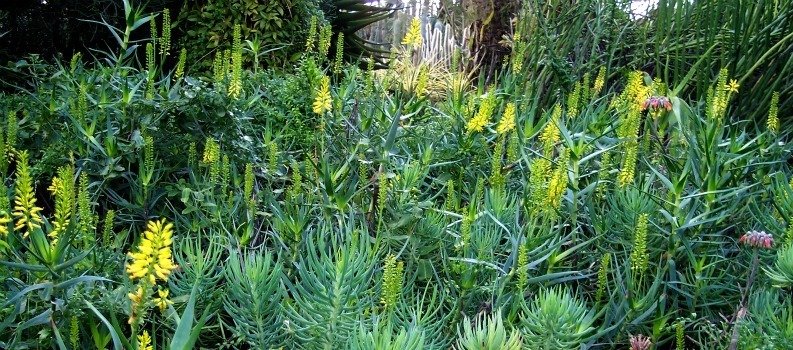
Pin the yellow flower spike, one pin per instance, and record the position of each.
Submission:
(322, 100)
(557, 184)
(4, 220)
(507, 122)
(56, 183)
(421, 81)
(639, 256)
(550, 134)
(25, 209)
(600, 81)
(393, 272)
(482, 117)
(773, 119)
(413, 37)
(153, 260)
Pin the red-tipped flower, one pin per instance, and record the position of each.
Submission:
(757, 239)
(656, 103)
(640, 342)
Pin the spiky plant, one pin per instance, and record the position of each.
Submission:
(556, 319)
(385, 338)
(253, 297)
(332, 290)
(487, 332)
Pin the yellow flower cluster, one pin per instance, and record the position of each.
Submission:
(211, 152)
(151, 262)
(600, 81)
(422, 80)
(733, 86)
(312, 33)
(523, 260)
(639, 256)
(162, 301)
(64, 191)
(153, 259)
(235, 84)
(25, 210)
(507, 122)
(211, 158)
(632, 100)
(413, 37)
(557, 185)
(322, 100)
(773, 120)
(626, 174)
(393, 272)
(635, 91)
(136, 297)
(551, 135)
(4, 220)
(573, 101)
(539, 172)
(603, 278)
(720, 96)
(482, 117)
(518, 53)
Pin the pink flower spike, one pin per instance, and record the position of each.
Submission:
(757, 239)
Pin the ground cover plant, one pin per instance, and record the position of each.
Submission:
(584, 195)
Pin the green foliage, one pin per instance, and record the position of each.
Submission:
(390, 219)
(782, 271)
(279, 26)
